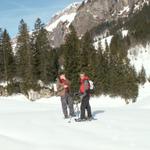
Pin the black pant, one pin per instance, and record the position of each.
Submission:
(85, 105)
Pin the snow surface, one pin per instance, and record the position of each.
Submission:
(39, 125)
(140, 56)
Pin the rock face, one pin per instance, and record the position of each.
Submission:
(94, 12)
(86, 15)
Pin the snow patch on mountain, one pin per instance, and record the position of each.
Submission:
(74, 5)
(140, 56)
(3, 84)
(102, 42)
(85, 1)
(65, 16)
(126, 9)
(124, 33)
(139, 5)
(68, 18)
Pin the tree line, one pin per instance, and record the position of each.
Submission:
(35, 60)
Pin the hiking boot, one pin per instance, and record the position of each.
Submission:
(90, 118)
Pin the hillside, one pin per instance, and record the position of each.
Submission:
(88, 15)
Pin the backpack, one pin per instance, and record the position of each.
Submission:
(91, 85)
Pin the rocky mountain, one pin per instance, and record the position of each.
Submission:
(58, 27)
(88, 14)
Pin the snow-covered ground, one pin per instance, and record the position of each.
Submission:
(39, 125)
(139, 56)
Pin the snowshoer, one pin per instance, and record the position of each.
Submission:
(85, 97)
(63, 89)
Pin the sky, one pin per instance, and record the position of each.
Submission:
(12, 11)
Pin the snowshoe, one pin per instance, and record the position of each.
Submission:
(80, 120)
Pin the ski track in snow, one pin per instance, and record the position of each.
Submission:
(40, 125)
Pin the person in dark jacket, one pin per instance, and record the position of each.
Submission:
(85, 97)
(63, 89)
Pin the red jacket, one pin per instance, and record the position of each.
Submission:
(65, 83)
(83, 85)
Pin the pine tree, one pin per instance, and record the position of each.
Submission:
(71, 57)
(142, 76)
(108, 69)
(1, 57)
(45, 60)
(100, 72)
(42, 59)
(129, 86)
(54, 65)
(88, 56)
(36, 49)
(24, 57)
(148, 79)
(122, 77)
(9, 65)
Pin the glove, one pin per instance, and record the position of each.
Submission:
(77, 94)
(65, 86)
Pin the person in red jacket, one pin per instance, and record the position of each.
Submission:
(85, 97)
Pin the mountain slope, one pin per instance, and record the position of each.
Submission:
(58, 27)
(89, 14)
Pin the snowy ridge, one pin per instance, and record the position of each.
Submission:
(73, 5)
(65, 16)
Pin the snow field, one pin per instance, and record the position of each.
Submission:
(40, 125)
